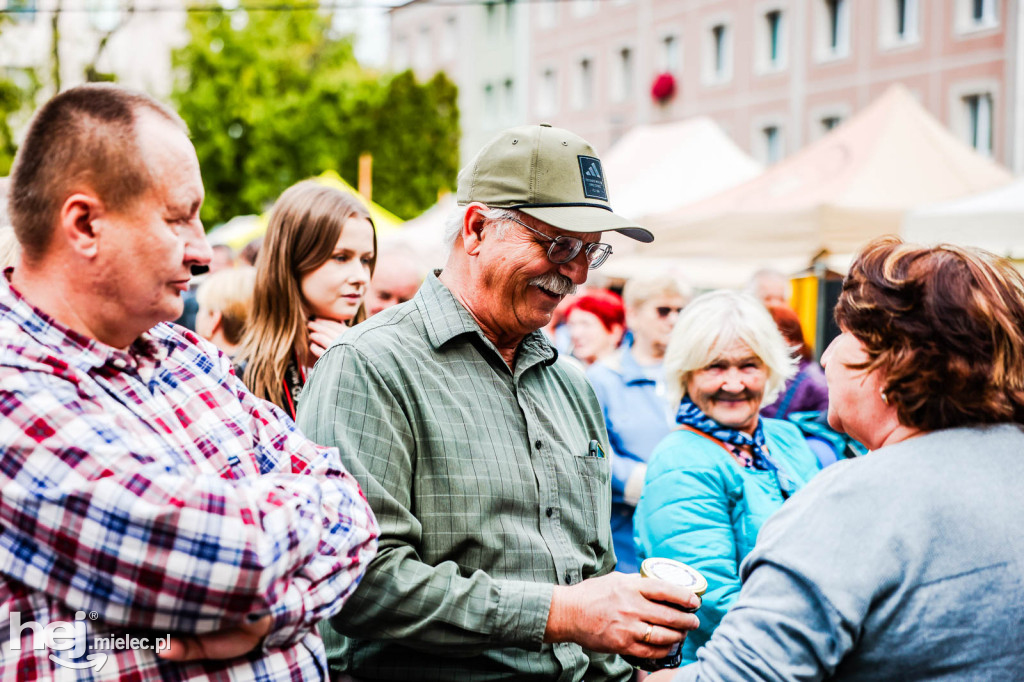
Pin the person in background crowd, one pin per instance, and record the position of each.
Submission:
(630, 385)
(141, 482)
(225, 298)
(311, 277)
(904, 564)
(396, 277)
(712, 483)
(597, 320)
(250, 252)
(771, 287)
(223, 258)
(805, 391)
(483, 453)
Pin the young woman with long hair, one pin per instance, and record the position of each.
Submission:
(311, 277)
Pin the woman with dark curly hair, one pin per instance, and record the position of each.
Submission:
(905, 564)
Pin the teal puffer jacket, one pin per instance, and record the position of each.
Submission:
(702, 508)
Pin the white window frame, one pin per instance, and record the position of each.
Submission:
(960, 114)
(763, 62)
(670, 53)
(889, 36)
(547, 13)
(547, 101)
(623, 85)
(713, 72)
(584, 80)
(965, 23)
(825, 50)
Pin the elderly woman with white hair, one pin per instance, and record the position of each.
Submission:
(713, 481)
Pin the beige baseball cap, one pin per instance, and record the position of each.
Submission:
(548, 173)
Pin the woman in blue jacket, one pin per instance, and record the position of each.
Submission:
(712, 482)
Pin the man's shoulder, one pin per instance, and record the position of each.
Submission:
(397, 326)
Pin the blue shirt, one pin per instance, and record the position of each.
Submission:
(637, 416)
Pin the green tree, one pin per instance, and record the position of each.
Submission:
(273, 96)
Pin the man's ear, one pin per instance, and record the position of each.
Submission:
(472, 228)
(80, 222)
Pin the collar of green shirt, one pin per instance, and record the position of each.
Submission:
(445, 319)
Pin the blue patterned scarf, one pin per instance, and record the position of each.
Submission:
(691, 415)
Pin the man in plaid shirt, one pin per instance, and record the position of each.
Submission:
(147, 499)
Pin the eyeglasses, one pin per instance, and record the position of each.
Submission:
(563, 249)
(664, 310)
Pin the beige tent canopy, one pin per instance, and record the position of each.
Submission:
(657, 168)
(854, 184)
(993, 220)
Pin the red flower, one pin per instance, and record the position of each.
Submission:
(663, 88)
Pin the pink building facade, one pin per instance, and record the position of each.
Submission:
(775, 74)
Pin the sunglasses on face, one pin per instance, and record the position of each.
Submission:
(563, 249)
(664, 310)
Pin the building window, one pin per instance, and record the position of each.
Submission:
(22, 11)
(978, 111)
(772, 139)
(493, 19)
(774, 21)
(547, 13)
(547, 103)
(584, 8)
(584, 83)
(718, 38)
(509, 98)
(837, 27)
(983, 12)
(906, 19)
(622, 87)
(976, 15)
(898, 21)
(423, 48)
(451, 38)
(490, 104)
(670, 61)
(510, 16)
(830, 122)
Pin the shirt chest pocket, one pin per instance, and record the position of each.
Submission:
(594, 496)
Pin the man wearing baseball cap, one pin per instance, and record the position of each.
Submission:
(483, 456)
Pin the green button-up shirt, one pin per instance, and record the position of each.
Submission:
(485, 490)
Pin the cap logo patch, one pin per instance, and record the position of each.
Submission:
(593, 178)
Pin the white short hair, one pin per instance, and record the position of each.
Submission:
(714, 321)
(453, 225)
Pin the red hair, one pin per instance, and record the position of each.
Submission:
(789, 325)
(606, 305)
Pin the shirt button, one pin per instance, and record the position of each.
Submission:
(537, 444)
(568, 578)
(549, 511)
(120, 364)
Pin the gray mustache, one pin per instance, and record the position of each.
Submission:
(555, 283)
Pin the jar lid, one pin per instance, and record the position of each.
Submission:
(675, 572)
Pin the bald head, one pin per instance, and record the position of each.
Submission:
(396, 278)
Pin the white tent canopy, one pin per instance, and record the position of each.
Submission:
(657, 168)
(854, 184)
(992, 220)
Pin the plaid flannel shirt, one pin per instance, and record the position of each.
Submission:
(149, 489)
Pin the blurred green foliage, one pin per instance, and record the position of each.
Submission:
(273, 97)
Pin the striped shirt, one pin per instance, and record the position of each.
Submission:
(144, 493)
(482, 483)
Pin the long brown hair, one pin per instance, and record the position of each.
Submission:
(304, 228)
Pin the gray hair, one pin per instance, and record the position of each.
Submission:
(453, 225)
(712, 323)
(642, 288)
